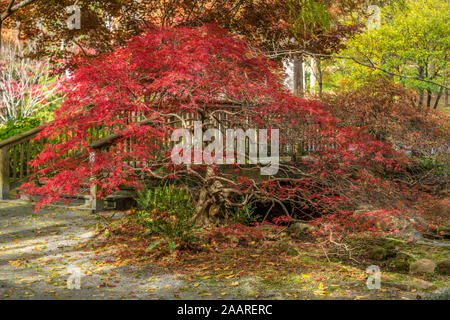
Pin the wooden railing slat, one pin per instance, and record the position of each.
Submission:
(4, 173)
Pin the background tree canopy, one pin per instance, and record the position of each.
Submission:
(412, 41)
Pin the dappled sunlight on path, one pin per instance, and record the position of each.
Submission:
(38, 252)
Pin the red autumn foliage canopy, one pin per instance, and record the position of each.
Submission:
(205, 72)
(387, 110)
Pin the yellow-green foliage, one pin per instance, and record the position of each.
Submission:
(410, 36)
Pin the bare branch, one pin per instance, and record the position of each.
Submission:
(13, 8)
(370, 64)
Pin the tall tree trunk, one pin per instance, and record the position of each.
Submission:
(421, 91)
(429, 96)
(312, 78)
(299, 84)
(438, 97)
(421, 96)
(319, 76)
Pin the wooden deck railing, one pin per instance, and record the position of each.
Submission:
(17, 152)
(15, 155)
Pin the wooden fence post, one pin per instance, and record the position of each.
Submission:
(95, 203)
(4, 173)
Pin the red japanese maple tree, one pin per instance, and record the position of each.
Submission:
(137, 94)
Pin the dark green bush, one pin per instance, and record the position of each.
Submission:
(15, 127)
(428, 164)
(244, 215)
(167, 212)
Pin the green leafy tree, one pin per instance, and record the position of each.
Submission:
(410, 46)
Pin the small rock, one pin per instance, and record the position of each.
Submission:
(379, 253)
(443, 267)
(87, 235)
(422, 284)
(422, 266)
(300, 229)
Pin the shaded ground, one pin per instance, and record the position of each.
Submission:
(39, 251)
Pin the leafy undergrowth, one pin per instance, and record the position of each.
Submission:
(266, 261)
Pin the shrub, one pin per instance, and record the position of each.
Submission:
(167, 211)
(242, 215)
(13, 128)
(433, 164)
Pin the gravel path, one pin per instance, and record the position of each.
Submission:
(40, 252)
